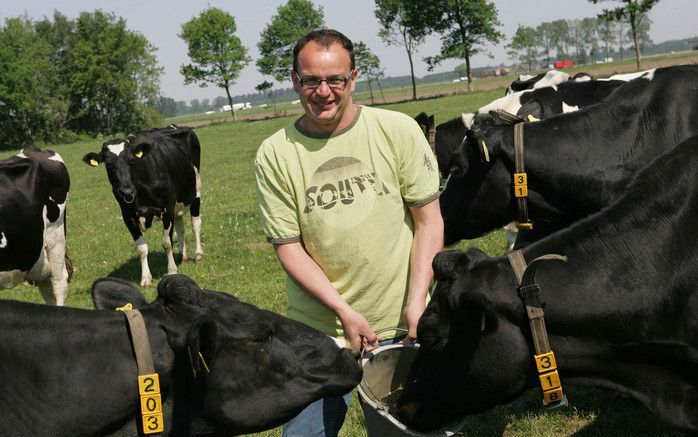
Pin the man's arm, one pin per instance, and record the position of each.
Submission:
(310, 277)
(427, 242)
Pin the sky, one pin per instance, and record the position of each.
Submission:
(160, 22)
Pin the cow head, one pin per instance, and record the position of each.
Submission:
(119, 157)
(473, 354)
(475, 199)
(263, 368)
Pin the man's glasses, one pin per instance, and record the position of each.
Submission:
(335, 82)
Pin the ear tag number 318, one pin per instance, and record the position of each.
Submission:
(151, 403)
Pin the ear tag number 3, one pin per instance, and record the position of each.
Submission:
(151, 403)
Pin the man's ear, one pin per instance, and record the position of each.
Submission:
(93, 159)
(113, 293)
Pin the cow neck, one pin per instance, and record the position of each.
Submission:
(148, 380)
(521, 179)
(544, 357)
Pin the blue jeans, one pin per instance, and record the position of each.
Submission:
(325, 417)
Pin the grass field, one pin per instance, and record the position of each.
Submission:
(238, 260)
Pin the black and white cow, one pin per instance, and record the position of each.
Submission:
(530, 105)
(528, 82)
(155, 174)
(34, 187)
(71, 372)
(620, 313)
(577, 162)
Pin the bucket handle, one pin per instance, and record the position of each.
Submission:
(384, 330)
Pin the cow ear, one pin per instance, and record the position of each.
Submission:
(178, 288)
(447, 262)
(202, 344)
(478, 311)
(141, 149)
(113, 293)
(93, 159)
(531, 109)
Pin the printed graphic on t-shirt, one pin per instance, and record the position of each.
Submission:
(343, 191)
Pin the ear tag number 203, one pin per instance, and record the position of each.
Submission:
(151, 403)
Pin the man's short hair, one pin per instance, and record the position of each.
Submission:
(324, 38)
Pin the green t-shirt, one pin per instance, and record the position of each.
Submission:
(345, 197)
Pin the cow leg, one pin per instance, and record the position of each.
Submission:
(146, 277)
(167, 229)
(179, 229)
(55, 288)
(196, 224)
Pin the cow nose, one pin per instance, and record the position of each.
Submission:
(127, 194)
(355, 354)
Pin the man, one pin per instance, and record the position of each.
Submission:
(349, 199)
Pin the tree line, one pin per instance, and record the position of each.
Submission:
(61, 77)
(584, 41)
(91, 75)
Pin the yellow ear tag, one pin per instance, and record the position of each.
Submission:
(486, 151)
(532, 118)
(126, 307)
(94, 163)
(139, 154)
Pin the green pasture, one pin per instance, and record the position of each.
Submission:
(239, 261)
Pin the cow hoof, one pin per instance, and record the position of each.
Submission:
(145, 282)
(199, 257)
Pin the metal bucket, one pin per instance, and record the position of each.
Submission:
(385, 370)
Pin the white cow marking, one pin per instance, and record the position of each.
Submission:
(647, 74)
(567, 108)
(116, 149)
(3, 241)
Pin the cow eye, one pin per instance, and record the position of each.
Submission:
(265, 334)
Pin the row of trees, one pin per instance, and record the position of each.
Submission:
(584, 41)
(61, 76)
(93, 75)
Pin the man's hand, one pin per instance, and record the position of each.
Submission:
(357, 331)
(413, 311)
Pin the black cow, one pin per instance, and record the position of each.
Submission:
(72, 372)
(620, 313)
(426, 123)
(577, 162)
(155, 174)
(34, 187)
(531, 105)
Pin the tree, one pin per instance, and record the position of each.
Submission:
(26, 106)
(217, 54)
(166, 105)
(605, 31)
(464, 25)
(561, 38)
(396, 28)
(546, 36)
(632, 13)
(590, 44)
(292, 21)
(368, 64)
(113, 74)
(265, 88)
(523, 46)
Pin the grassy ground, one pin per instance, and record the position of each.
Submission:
(238, 260)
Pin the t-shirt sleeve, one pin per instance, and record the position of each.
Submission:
(277, 204)
(419, 179)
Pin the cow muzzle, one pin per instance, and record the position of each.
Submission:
(127, 194)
